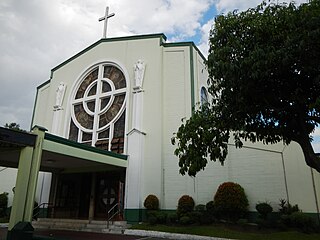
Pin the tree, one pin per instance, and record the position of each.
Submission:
(14, 126)
(264, 78)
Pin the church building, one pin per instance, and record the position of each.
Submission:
(103, 124)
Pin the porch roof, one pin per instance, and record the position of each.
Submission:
(58, 154)
(69, 156)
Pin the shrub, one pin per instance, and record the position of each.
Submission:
(264, 209)
(185, 205)
(172, 218)
(302, 221)
(185, 220)
(230, 201)
(200, 208)
(287, 208)
(151, 202)
(210, 207)
(154, 216)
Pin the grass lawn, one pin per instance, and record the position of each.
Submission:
(230, 232)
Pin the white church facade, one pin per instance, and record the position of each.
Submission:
(109, 114)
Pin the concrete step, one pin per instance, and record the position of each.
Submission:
(81, 225)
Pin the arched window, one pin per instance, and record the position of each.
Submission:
(203, 96)
(98, 108)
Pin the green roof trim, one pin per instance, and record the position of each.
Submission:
(192, 79)
(68, 142)
(185, 44)
(43, 84)
(161, 36)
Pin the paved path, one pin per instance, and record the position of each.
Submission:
(72, 235)
(129, 235)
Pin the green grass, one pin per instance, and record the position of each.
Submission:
(227, 232)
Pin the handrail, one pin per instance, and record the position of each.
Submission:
(38, 207)
(110, 210)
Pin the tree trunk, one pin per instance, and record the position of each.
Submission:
(312, 160)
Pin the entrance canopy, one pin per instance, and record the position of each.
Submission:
(38, 150)
(58, 154)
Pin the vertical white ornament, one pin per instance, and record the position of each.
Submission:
(57, 108)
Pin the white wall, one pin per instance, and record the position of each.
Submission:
(8, 181)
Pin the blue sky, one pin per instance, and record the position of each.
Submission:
(37, 35)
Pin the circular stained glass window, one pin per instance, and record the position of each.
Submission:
(98, 108)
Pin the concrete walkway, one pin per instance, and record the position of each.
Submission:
(129, 234)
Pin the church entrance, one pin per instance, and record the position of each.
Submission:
(74, 192)
(109, 195)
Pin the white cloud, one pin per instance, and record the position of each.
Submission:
(225, 6)
(37, 35)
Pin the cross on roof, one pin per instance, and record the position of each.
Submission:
(105, 19)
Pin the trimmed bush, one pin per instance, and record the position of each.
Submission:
(185, 220)
(210, 207)
(230, 201)
(264, 209)
(302, 222)
(200, 208)
(151, 202)
(185, 205)
(172, 218)
(155, 216)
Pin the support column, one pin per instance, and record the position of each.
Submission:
(92, 196)
(26, 183)
(20, 191)
(134, 179)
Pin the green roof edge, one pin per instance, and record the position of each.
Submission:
(70, 143)
(185, 44)
(161, 36)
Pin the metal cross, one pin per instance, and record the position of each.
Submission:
(105, 19)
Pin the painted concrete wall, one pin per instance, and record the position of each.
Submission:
(8, 181)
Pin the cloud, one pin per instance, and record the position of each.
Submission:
(38, 35)
(225, 6)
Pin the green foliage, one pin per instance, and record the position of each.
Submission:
(292, 216)
(287, 208)
(264, 209)
(210, 207)
(14, 126)
(302, 222)
(230, 201)
(264, 74)
(3, 203)
(185, 205)
(151, 202)
(172, 218)
(185, 220)
(155, 217)
(200, 208)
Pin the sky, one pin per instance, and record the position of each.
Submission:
(37, 35)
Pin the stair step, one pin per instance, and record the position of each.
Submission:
(81, 225)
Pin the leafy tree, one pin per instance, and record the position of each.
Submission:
(14, 126)
(264, 68)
